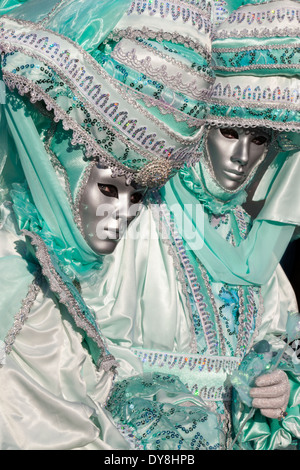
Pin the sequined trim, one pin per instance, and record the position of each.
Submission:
(82, 186)
(257, 33)
(249, 319)
(265, 16)
(206, 322)
(257, 67)
(176, 10)
(106, 362)
(178, 362)
(177, 265)
(242, 222)
(258, 96)
(201, 363)
(83, 79)
(23, 314)
(92, 149)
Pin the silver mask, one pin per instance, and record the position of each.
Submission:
(106, 208)
(234, 154)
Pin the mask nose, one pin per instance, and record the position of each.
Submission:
(125, 211)
(241, 152)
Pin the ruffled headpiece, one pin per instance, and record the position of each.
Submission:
(256, 53)
(130, 79)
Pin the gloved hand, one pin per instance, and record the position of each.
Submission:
(271, 394)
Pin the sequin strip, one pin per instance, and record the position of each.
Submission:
(177, 11)
(249, 319)
(274, 97)
(207, 324)
(23, 314)
(107, 361)
(241, 221)
(147, 33)
(249, 122)
(192, 362)
(257, 33)
(268, 16)
(177, 266)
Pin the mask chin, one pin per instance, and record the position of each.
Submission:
(212, 185)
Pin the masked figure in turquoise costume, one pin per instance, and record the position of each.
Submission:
(173, 321)
(206, 274)
(97, 110)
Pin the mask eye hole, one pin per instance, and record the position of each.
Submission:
(259, 140)
(136, 198)
(229, 133)
(108, 190)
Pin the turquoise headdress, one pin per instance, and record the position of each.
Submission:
(120, 82)
(129, 79)
(256, 55)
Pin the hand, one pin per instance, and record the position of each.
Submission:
(271, 394)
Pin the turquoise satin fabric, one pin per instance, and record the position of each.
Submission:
(248, 263)
(158, 297)
(8, 5)
(56, 217)
(88, 24)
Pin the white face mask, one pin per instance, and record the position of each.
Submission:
(107, 207)
(235, 153)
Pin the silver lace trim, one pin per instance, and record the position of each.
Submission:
(257, 67)
(166, 108)
(106, 362)
(256, 33)
(187, 13)
(82, 186)
(172, 60)
(160, 73)
(177, 265)
(23, 314)
(207, 325)
(251, 122)
(258, 47)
